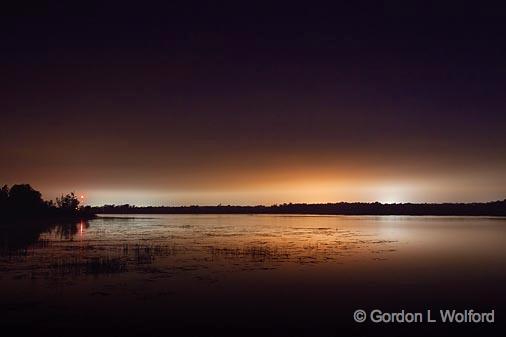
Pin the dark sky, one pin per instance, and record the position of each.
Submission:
(243, 105)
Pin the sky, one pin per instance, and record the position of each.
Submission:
(210, 104)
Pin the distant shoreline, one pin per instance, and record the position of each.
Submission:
(494, 208)
(151, 215)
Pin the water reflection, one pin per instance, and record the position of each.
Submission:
(216, 244)
(19, 238)
(185, 243)
(273, 270)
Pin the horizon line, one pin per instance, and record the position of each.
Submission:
(309, 204)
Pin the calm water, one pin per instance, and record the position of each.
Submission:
(250, 274)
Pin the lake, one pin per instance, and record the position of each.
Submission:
(255, 275)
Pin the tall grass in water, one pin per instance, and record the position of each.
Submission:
(145, 254)
(90, 266)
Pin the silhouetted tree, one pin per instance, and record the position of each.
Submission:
(4, 197)
(24, 197)
(22, 202)
(68, 202)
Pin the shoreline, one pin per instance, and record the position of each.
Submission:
(124, 215)
(494, 208)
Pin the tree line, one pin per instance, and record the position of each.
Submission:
(494, 208)
(22, 201)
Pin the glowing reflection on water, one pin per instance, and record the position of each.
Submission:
(307, 266)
